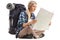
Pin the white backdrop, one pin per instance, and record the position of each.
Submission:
(51, 5)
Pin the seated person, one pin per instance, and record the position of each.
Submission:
(26, 19)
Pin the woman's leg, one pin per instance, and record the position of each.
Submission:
(23, 32)
(37, 33)
(31, 31)
(28, 30)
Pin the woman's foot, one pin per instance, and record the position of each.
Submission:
(37, 36)
(42, 35)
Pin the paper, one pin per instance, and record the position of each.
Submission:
(43, 19)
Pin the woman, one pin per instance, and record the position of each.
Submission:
(26, 19)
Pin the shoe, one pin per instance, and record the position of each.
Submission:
(30, 36)
(42, 35)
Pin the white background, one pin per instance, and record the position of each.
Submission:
(51, 5)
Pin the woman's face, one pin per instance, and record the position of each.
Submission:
(33, 7)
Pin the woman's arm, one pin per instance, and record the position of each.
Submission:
(21, 20)
(28, 23)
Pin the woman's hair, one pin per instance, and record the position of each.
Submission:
(31, 3)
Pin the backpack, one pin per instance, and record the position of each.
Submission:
(15, 10)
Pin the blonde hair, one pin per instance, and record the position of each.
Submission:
(31, 3)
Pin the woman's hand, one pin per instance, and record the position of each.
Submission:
(25, 24)
(28, 23)
(33, 21)
(49, 23)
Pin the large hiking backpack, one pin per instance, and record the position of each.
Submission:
(15, 10)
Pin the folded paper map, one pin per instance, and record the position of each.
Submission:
(43, 19)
